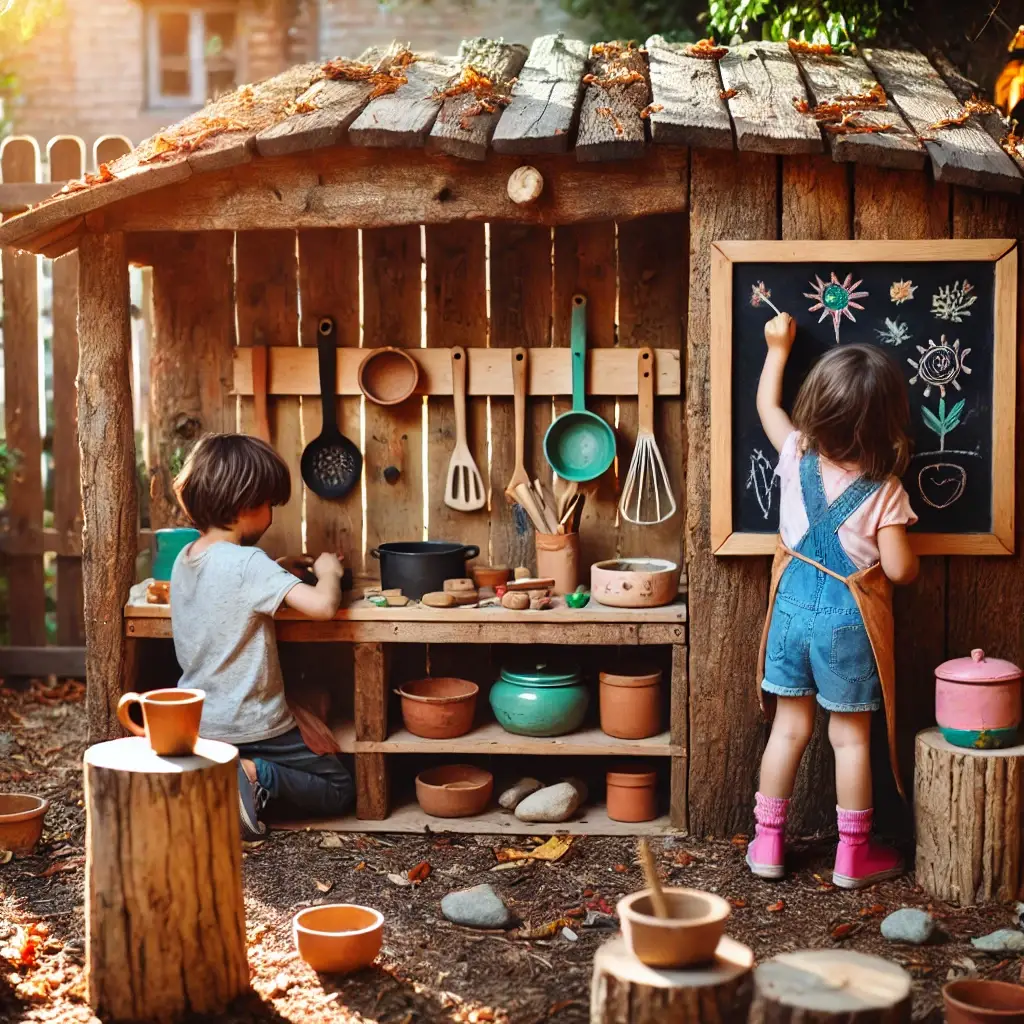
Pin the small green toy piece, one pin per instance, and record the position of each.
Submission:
(378, 600)
(579, 599)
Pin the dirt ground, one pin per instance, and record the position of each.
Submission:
(430, 970)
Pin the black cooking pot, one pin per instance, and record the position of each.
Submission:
(417, 567)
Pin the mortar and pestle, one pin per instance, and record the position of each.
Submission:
(671, 928)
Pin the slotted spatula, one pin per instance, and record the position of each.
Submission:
(464, 491)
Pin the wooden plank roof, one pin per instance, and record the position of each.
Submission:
(602, 103)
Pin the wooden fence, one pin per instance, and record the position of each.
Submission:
(41, 627)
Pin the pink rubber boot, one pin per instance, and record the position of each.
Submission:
(766, 855)
(859, 861)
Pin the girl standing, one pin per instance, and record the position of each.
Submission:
(829, 632)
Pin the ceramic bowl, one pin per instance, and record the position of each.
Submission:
(491, 575)
(388, 375)
(634, 582)
(440, 708)
(21, 822)
(974, 1001)
(454, 790)
(337, 938)
(690, 936)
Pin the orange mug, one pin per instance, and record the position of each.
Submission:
(171, 717)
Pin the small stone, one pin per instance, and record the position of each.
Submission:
(551, 804)
(1004, 940)
(396, 600)
(595, 919)
(438, 600)
(520, 791)
(479, 907)
(330, 841)
(569, 934)
(579, 785)
(515, 601)
(909, 925)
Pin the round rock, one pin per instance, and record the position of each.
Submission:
(520, 791)
(479, 907)
(551, 804)
(909, 925)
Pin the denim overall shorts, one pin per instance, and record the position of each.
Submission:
(817, 643)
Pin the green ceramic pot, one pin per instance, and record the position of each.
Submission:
(540, 700)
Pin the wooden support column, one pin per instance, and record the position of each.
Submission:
(679, 692)
(371, 721)
(107, 453)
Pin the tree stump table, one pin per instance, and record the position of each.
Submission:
(165, 921)
(825, 986)
(625, 991)
(967, 807)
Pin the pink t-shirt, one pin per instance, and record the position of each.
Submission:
(888, 506)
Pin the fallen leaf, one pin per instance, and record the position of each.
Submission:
(252, 847)
(361, 866)
(682, 859)
(740, 840)
(554, 849)
(588, 892)
(620, 868)
(400, 880)
(330, 841)
(774, 908)
(876, 910)
(419, 873)
(558, 1007)
(323, 886)
(544, 931)
(71, 864)
(739, 904)
(5, 856)
(844, 931)
(511, 865)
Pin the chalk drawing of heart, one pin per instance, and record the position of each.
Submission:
(942, 483)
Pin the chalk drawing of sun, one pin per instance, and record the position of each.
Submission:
(939, 366)
(835, 299)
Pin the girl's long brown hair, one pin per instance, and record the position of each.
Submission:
(853, 407)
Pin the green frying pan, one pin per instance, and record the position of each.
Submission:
(579, 445)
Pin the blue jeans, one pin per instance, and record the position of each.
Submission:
(317, 785)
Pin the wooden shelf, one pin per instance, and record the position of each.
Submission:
(593, 821)
(491, 738)
(612, 371)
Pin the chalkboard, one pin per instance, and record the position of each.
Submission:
(941, 318)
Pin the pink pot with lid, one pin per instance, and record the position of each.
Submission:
(978, 702)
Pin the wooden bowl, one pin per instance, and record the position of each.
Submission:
(337, 938)
(454, 790)
(634, 582)
(690, 936)
(440, 708)
(388, 375)
(21, 822)
(978, 1001)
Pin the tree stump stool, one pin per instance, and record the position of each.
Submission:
(824, 986)
(625, 991)
(967, 807)
(165, 922)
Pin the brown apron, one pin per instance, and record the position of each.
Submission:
(872, 593)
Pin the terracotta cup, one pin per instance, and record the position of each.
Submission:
(171, 717)
(978, 1001)
(338, 937)
(631, 704)
(689, 936)
(558, 558)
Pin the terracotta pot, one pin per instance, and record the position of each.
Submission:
(977, 701)
(21, 822)
(634, 582)
(690, 936)
(492, 576)
(632, 794)
(454, 790)
(438, 709)
(558, 558)
(631, 705)
(338, 937)
(171, 719)
(388, 375)
(974, 1001)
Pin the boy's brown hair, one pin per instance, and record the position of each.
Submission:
(853, 407)
(226, 474)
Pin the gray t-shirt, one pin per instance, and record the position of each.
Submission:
(222, 605)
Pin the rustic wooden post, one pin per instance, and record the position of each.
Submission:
(107, 451)
(165, 918)
(371, 722)
(967, 806)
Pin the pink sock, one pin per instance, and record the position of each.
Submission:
(854, 826)
(770, 811)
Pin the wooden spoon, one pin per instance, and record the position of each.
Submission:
(658, 900)
(519, 475)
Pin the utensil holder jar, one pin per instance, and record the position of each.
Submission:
(558, 558)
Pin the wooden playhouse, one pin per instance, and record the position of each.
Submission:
(377, 194)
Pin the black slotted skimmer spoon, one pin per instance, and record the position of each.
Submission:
(331, 463)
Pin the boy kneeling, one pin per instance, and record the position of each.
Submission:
(224, 594)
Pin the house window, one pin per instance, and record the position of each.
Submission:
(192, 52)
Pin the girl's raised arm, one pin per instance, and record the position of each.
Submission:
(779, 333)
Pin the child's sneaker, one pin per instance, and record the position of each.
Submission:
(859, 861)
(252, 798)
(766, 854)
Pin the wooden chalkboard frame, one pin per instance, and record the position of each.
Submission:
(1000, 251)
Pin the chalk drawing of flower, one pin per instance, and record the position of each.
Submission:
(835, 299)
(759, 293)
(902, 291)
(940, 365)
(954, 301)
(895, 332)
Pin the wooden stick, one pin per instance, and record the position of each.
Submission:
(526, 498)
(653, 882)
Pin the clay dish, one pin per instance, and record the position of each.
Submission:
(454, 790)
(977, 1001)
(388, 375)
(634, 582)
(338, 937)
(491, 575)
(690, 936)
(440, 708)
(21, 822)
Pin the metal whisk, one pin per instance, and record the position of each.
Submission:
(647, 496)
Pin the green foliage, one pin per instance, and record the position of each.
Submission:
(9, 459)
(942, 424)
